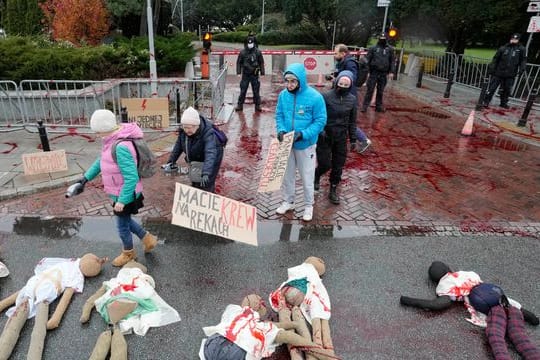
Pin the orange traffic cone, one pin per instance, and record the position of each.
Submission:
(468, 127)
(320, 81)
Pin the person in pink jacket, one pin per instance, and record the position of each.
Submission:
(120, 180)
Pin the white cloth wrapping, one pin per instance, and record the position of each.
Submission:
(458, 286)
(316, 303)
(49, 273)
(242, 326)
(137, 284)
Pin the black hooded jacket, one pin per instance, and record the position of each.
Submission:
(341, 110)
(509, 60)
(250, 61)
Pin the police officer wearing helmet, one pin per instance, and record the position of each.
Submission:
(510, 60)
(250, 64)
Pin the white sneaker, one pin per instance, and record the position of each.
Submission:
(308, 213)
(284, 207)
(3, 270)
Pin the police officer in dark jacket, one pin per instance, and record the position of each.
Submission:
(250, 64)
(510, 60)
(341, 110)
(198, 141)
(380, 59)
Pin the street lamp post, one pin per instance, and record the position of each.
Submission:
(153, 68)
(262, 18)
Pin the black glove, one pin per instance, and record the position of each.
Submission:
(82, 181)
(280, 136)
(329, 77)
(297, 135)
(204, 180)
(353, 146)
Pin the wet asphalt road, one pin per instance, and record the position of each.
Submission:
(199, 275)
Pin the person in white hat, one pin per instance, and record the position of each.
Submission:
(120, 180)
(204, 151)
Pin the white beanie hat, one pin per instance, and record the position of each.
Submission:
(190, 117)
(103, 121)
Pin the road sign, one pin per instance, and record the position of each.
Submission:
(534, 24)
(534, 6)
(383, 3)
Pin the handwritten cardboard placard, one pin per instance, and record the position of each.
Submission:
(214, 214)
(44, 162)
(276, 163)
(148, 112)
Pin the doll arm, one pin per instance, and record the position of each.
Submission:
(7, 302)
(55, 319)
(89, 304)
(306, 345)
(437, 304)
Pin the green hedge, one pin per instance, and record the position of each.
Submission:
(25, 58)
(273, 37)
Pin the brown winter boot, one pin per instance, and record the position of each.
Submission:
(149, 242)
(125, 257)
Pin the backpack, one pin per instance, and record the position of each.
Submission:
(220, 135)
(146, 160)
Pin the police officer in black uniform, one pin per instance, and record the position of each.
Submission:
(250, 64)
(380, 60)
(510, 60)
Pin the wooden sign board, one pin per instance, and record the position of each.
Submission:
(214, 214)
(148, 112)
(276, 163)
(44, 162)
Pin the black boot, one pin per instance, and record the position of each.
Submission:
(333, 196)
(239, 107)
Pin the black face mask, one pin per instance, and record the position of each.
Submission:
(294, 90)
(382, 42)
(342, 91)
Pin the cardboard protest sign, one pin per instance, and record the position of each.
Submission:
(214, 214)
(276, 163)
(148, 112)
(44, 162)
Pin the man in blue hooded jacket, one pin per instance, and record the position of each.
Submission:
(300, 108)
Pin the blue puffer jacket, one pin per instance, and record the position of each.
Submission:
(305, 108)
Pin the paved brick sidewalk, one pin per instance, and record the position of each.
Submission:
(419, 176)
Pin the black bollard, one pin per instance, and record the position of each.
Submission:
(449, 84)
(124, 114)
(178, 106)
(483, 89)
(420, 74)
(43, 136)
(530, 102)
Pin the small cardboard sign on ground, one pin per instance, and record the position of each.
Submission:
(148, 112)
(44, 162)
(214, 214)
(276, 163)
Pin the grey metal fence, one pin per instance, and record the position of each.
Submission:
(11, 107)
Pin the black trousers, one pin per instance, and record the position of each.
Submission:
(506, 86)
(255, 87)
(379, 79)
(331, 153)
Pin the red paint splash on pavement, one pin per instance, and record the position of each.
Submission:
(13, 147)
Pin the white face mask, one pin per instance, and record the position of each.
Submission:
(250, 46)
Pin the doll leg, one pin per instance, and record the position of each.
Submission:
(37, 340)
(9, 301)
(518, 336)
(496, 331)
(102, 347)
(12, 330)
(118, 345)
(326, 336)
(60, 309)
(284, 315)
(302, 329)
(301, 343)
(316, 328)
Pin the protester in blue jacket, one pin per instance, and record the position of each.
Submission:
(300, 108)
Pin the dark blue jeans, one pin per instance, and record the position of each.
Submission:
(126, 225)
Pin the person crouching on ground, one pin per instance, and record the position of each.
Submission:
(341, 109)
(203, 150)
(120, 180)
(300, 108)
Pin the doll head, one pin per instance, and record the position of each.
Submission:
(90, 265)
(437, 270)
(318, 263)
(256, 303)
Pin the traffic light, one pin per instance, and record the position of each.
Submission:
(392, 33)
(207, 41)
